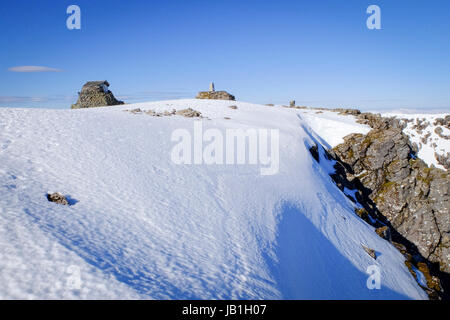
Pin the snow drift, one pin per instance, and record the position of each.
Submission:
(141, 226)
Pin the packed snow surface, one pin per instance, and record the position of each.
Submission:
(331, 126)
(141, 226)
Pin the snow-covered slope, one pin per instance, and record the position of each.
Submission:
(331, 126)
(142, 226)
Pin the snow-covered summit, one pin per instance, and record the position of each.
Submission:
(142, 226)
(428, 132)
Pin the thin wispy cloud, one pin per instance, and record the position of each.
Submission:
(33, 69)
(34, 99)
(14, 99)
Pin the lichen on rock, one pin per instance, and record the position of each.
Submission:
(95, 94)
(404, 199)
(217, 95)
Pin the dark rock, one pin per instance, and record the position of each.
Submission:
(384, 232)
(315, 153)
(363, 214)
(432, 282)
(370, 252)
(400, 247)
(57, 198)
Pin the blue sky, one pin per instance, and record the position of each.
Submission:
(319, 53)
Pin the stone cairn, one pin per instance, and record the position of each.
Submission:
(213, 94)
(95, 94)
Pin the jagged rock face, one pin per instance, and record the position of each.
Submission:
(413, 197)
(216, 95)
(95, 94)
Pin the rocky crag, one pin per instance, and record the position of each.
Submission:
(95, 94)
(213, 94)
(218, 95)
(404, 199)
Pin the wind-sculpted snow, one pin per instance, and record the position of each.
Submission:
(142, 226)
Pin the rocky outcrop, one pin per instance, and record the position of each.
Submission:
(217, 95)
(414, 198)
(376, 121)
(95, 94)
(404, 199)
(384, 232)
